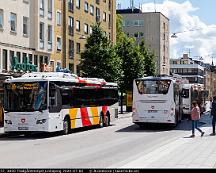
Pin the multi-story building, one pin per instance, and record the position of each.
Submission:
(29, 32)
(153, 27)
(74, 21)
(188, 69)
(14, 32)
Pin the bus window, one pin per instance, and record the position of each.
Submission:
(153, 86)
(185, 93)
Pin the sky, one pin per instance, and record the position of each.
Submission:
(193, 21)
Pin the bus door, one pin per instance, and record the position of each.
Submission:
(55, 100)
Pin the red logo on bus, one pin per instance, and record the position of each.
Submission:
(23, 120)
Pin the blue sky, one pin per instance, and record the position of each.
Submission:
(185, 16)
(206, 10)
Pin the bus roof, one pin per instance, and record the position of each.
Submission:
(59, 76)
(156, 78)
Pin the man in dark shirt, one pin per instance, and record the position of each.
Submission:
(213, 115)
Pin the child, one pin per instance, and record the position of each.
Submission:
(195, 116)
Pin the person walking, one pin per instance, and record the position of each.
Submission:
(195, 117)
(213, 115)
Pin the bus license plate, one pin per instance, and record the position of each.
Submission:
(152, 111)
(23, 128)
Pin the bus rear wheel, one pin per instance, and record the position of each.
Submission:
(101, 121)
(66, 126)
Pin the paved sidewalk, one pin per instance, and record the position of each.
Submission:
(185, 152)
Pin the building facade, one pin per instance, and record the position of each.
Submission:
(188, 69)
(73, 24)
(154, 29)
(51, 33)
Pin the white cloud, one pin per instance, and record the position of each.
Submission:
(193, 34)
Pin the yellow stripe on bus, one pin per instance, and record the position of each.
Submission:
(73, 114)
(94, 111)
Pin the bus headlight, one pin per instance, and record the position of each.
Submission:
(8, 121)
(41, 121)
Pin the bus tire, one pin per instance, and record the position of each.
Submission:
(66, 126)
(101, 120)
(107, 119)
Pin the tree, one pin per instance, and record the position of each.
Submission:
(99, 58)
(149, 59)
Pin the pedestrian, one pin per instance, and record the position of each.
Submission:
(213, 115)
(195, 117)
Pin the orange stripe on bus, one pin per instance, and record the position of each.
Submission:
(95, 115)
(73, 114)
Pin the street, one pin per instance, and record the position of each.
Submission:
(109, 147)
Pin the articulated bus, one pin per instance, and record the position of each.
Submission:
(190, 93)
(156, 100)
(57, 101)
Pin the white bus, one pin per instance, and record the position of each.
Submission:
(190, 93)
(56, 101)
(156, 100)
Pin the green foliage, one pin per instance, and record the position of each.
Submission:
(149, 59)
(99, 58)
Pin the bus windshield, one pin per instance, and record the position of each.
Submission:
(185, 93)
(25, 97)
(153, 86)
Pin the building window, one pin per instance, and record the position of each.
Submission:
(58, 18)
(13, 22)
(59, 44)
(30, 58)
(104, 16)
(41, 35)
(109, 5)
(49, 9)
(86, 7)
(36, 60)
(77, 48)
(70, 25)
(42, 8)
(18, 54)
(24, 57)
(78, 25)
(1, 19)
(98, 2)
(86, 28)
(97, 15)
(78, 4)
(50, 37)
(11, 55)
(5, 59)
(109, 21)
(25, 26)
(71, 49)
(26, 1)
(92, 10)
(90, 29)
(70, 5)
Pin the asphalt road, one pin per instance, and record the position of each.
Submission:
(109, 147)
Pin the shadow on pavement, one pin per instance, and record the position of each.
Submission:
(185, 125)
(36, 136)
